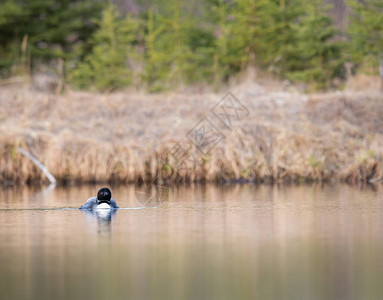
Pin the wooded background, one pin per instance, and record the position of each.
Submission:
(161, 45)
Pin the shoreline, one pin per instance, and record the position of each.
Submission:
(124, 137)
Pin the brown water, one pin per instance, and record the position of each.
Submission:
(203, 242)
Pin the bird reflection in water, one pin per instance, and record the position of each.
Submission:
(103, 217)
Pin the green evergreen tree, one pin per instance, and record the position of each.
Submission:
(53, 28)
(177, 49)
(251, 25)
(218, 14)
(198, 41)
(106, 67)
(156, 59)
(9, 47)
(186, 41)
(282, 38)
(316, 56)
(366, 31)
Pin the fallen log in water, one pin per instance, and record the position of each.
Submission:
(43, 169)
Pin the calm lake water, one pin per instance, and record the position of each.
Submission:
(199, 242)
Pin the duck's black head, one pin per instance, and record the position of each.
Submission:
(104, 195)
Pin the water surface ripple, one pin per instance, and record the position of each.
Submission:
(201, 242)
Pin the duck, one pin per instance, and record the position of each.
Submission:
(103, 200)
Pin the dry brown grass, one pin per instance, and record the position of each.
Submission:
(122, 137)
(363, 82)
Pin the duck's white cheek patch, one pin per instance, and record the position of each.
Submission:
(103, 206)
